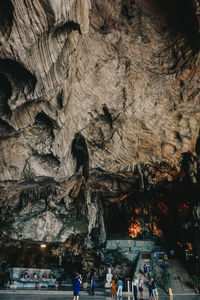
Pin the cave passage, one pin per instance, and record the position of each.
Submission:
(163, 214)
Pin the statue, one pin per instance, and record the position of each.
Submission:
(109, 277)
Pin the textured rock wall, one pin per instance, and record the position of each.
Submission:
(109, 89)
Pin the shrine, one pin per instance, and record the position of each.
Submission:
(31, 278)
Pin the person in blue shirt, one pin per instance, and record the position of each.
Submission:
(92, 285)
(77, 286)
(119, 287)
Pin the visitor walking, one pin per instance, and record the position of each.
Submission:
(145, 268)
(113, 288)
(140, 286)
(77, 286)
(92, 285)
(119, 287)
(135, 288)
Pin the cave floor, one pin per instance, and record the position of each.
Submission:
(86, 297)
(16, 296)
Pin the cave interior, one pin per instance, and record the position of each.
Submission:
(162, 211)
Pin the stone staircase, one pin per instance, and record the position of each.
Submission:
(180, 280)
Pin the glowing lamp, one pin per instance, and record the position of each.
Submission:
(43, 246)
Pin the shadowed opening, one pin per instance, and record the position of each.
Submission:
(19, 76)
(5, 94)
(44, 120)
(6, 16)
(180, 17)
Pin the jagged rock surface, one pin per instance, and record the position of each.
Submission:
(106, 88)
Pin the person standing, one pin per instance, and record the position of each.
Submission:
(92, 285)
(150, 288)
(140, 285)
(113, 288)
(119, 287)
(77, 286)
(135, 288)
(145, 270)
(153, 284)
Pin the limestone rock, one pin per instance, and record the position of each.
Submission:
(123, 75)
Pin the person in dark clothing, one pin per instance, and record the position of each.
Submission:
(153, 284)
(152, 289)
(135, 288)
(77, 286)
(145, 270)
(92, 285)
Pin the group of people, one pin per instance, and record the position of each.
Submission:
(116, 288)
(137, 285)
(153, 293)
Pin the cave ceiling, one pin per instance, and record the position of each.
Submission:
(99, 101)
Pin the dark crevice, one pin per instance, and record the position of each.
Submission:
(127, 9)
(5, 94)
(107, 116)
(80, 153)
(72, 26)
(5, 129)
(180, 17)
(197, 147)
(186, 158)
(42, 119)
(68, 27)
(6, 17)
(59, 98)
(18, 75)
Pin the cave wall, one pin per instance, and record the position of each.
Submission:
(98, 100)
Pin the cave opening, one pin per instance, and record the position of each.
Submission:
(177, 17)
(163, 214)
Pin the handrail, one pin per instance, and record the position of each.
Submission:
(137, 265)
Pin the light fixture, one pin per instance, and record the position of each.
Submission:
(43, 246)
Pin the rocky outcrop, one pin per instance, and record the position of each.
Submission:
(99, 101)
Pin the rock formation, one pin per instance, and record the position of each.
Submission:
(99, 109)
